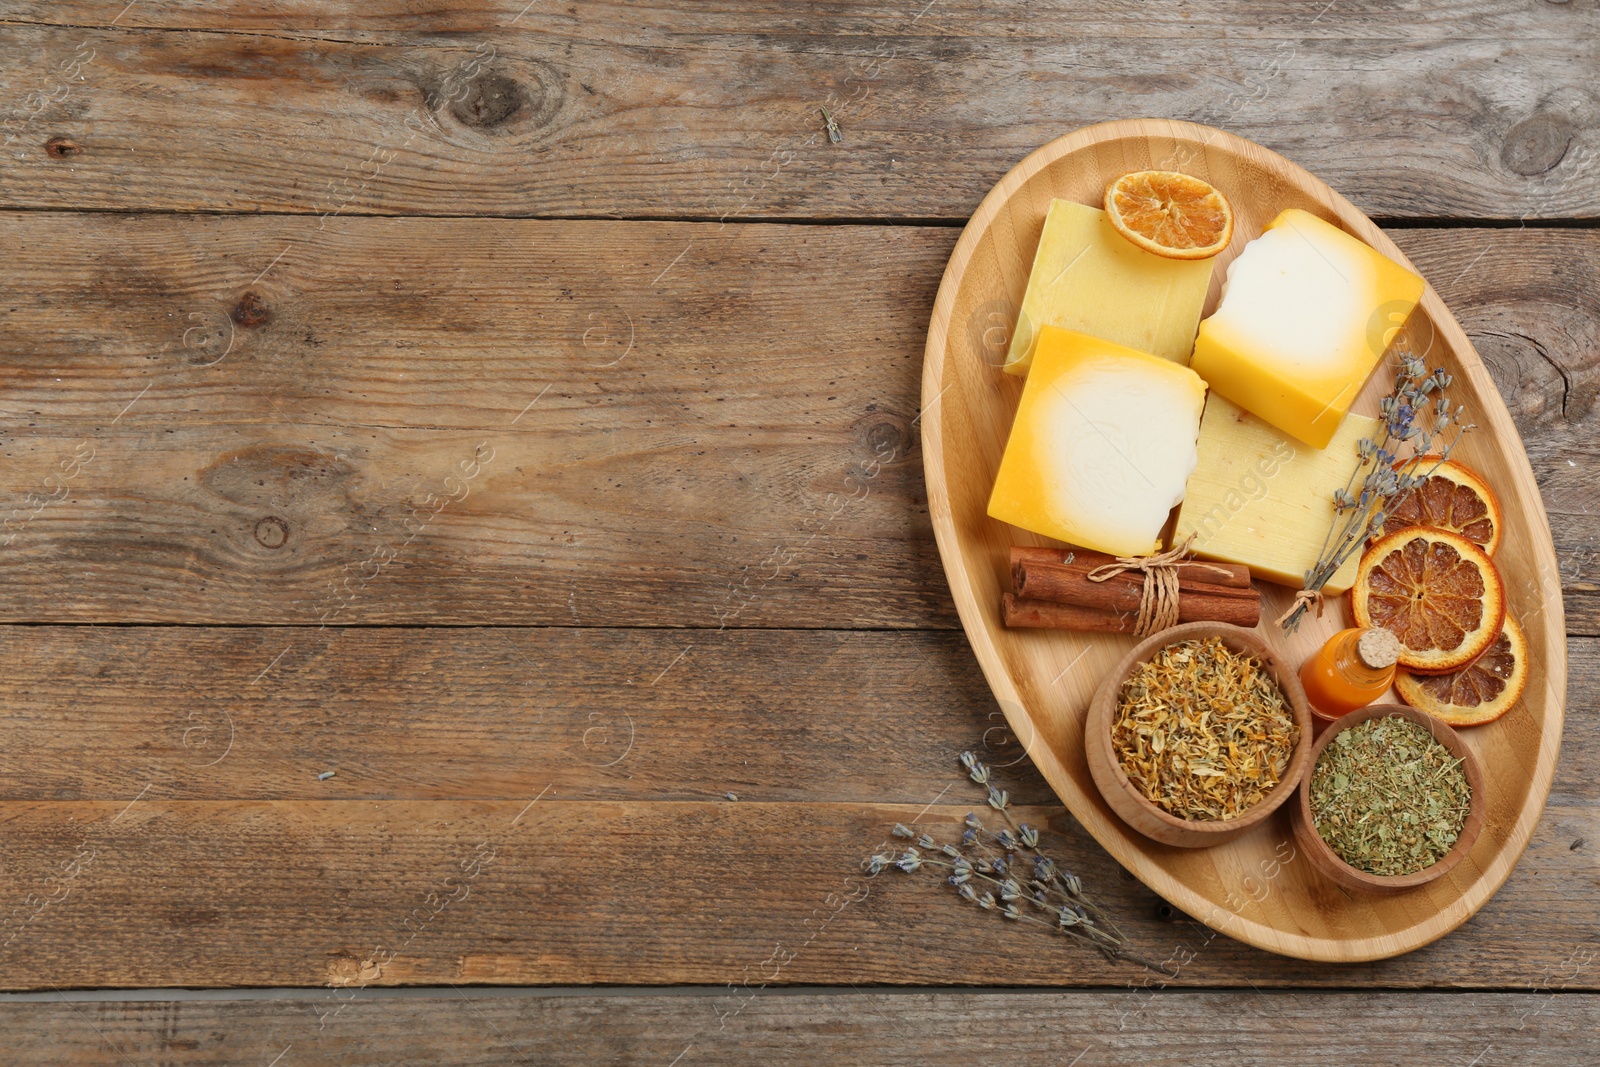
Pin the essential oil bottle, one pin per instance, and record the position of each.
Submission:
(1352, 670)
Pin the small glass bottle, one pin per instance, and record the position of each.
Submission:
(1352, 670)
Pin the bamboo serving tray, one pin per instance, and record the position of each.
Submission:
(1258, 888)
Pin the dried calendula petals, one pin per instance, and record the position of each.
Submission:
(1203, 731)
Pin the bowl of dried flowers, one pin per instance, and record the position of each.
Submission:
(1394, 799)
(1198, 735)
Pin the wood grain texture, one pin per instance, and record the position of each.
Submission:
(1045, 681)
(676, 432)
(469, 1029)
(685, 481)
(141, 892)
(1483, 109)
(252, 871)
(272, 421)
(1547, 370)
(93, 713)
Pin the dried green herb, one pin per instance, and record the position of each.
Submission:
(1388, 798)
(1203, 731)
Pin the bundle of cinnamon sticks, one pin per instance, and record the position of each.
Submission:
(1052, 590)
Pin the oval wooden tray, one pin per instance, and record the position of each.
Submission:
(1257, 889)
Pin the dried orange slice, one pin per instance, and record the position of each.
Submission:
(1436, 591)
(1480, 692)
(1173, 215)
(1450, 497)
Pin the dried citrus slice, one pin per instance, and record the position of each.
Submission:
(1450, 497)
(1480, 692)
(1173, 215)
(1436, 591)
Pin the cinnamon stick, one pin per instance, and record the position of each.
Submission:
(1232, 575)
(1121, 592)
(1048, 614)
(1018, 611)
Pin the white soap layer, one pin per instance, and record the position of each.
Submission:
(1298, 296)
(1122, 443)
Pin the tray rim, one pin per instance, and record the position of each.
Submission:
(1148, 870)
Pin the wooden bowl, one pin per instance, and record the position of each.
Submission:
(1325, 860)
(1129, 803)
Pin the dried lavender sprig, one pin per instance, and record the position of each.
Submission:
(1046, 872)
(1054, 881)
(1051, 890)
(1009, 891)
(1365, 513)
(1068, 885)
(1000, 801)
(1395, 424)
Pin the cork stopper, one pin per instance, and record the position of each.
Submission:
(1378, 648)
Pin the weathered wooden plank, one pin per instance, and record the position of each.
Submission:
(168, 825)
(796, 716)
(1533, 313)
(468, 1028)
(427, 892)
(1412, 110)
(1369, 20)
(722, 427)
(434, 421)
(94, 713)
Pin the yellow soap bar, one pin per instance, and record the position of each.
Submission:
(1089, 278)
(1265, 500)
(1306, 313)
(1103, 442)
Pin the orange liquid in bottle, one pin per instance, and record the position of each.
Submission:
(1352, 670)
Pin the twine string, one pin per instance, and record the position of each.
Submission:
(1302, 602)
(1158, 600)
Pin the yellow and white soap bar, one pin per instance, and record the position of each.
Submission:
(1262, 499)
(1089, 278)
(1103, 442)
(1307, 311)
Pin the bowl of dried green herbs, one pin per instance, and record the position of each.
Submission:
(1394, 800)
(1198, 735)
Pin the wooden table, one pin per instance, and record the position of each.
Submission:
(468, 587)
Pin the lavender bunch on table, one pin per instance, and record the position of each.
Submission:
(1419, 423)
(1005, 872)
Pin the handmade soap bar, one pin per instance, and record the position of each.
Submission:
(1306, 313)
(1103, 441)
(1262, 499)
(1089, 278)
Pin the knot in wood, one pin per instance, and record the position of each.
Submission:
(885, 435)
(251, 310)
(272, 532)
(488, 100)
(347, 970)
(62, 148)
(1537, 143)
